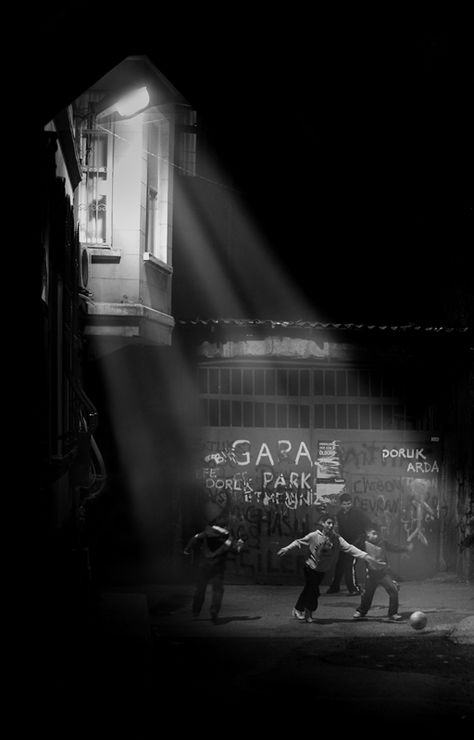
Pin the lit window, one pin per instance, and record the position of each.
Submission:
(186, 148)
(157, 188)
(95, 196)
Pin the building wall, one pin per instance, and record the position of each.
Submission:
(265, 421)
(268, 480)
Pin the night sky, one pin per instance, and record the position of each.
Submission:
(351, 141)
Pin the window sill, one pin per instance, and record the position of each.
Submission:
(103, 255)
(149, 257)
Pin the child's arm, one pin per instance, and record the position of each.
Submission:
(356, 553)
(293, 545)
(193, 542)
(223, 548)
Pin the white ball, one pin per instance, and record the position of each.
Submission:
(418, 620)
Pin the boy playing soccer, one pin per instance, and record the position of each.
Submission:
(378, 549)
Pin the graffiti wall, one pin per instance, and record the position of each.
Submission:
(274, 484)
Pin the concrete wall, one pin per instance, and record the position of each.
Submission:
(268, 480)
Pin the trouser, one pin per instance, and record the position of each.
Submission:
(371, 584)
(308, 598)
(213, 574)
(345, 566)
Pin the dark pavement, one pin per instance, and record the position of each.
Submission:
(144, 661)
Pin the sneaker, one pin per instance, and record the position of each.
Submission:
(195, 615)
(308, 616)
(358, 615)
(395, 617)
(355, 591)
(214, 617)
(298, 615)
(332, 590)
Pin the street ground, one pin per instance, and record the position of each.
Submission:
(145, 663)
(257, 657)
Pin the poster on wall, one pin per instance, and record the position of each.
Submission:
(330, 481)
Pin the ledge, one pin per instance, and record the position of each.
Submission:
(149, 257)
(103, 255)
(130, 309)
(127, 321)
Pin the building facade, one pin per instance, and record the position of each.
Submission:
(109, 160)
(124, 202)
(294, 413)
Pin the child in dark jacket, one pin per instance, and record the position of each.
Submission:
(378, 548)
(215, 543)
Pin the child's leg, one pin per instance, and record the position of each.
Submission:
(368, 594)
(200, 590)
(392, 591)
(308, 598)
(217, 582)
(304, 597)
(338, 573)
(350, 576)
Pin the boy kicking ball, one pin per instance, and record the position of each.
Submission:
(378, 549)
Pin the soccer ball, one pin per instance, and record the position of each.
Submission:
(418, 620)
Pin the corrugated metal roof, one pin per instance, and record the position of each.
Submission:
(299, 324)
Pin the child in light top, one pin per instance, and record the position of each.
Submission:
(323, 546)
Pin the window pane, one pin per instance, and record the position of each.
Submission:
(364, 379)
(202, 380)
(151, 221)
(330, 416)
(304, 417)
(213, 381)
(341, 416)
(186, 144)
(270, 414)
(94, 189)
(225, 381)
(377, 416)
(236, 382)
(293, 416)
(205, 411)
(304, 382)
(388, 388)
(341, 388)
(269, 382)
(329, 383)
(352, 383)
(387, 416)
(353, 419)
(293, 383)
(375, 385)
(282, 382)
(213, 413)
(364, 411)
(318, 383)
(398, 417)
(248, 382)
(248, 414)
(236, 414)
(225, 413)
(319, 416)
(259, 383)
(282, 419)
(259, 415)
